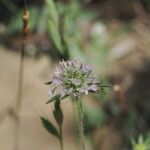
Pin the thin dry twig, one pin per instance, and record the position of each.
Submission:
(19, 99)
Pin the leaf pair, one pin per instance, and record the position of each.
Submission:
(58, 115)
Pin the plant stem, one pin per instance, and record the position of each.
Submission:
(61, 137)
(19, 99)
(79, 108)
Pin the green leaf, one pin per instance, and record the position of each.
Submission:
(53, 23)
(55, 36)
(49, 127)
(52, 10)
(56, 97)
(141, 139)
(58, 114)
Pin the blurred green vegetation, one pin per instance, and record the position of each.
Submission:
(141, 144)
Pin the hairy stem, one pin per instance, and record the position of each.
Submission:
(79, 108)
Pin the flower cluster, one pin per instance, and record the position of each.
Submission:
(72, 78)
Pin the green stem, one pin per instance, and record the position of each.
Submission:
(79, 108)
(61, 137)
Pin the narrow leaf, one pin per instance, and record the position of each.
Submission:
(49, 127)
(48, 83)
(52, 10)
(56, 97)
(55, 36)
(58, 114)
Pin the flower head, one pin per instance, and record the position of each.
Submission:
(72, 78)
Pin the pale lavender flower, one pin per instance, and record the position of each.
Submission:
(56, 80)
(86, 68)
(94, 80)
(73, 78)
(85, 89)
(93, 87)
